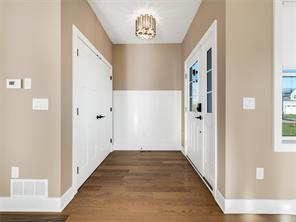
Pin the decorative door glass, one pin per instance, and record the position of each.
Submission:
(193, 87)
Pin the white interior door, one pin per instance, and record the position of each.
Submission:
(201, 103)
(103, 116)
(93, 119)
(107, 89)
(195, 112)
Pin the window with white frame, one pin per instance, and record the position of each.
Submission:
(285, 75)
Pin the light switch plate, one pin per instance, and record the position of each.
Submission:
(14, 172)
(259, 173)
(13, 83)
(40, 104)
(27, 83)
(249, 103)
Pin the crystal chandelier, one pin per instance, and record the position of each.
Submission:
(145, 27)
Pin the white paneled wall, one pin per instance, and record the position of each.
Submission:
(147, 119)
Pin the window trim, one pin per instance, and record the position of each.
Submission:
(280, 143)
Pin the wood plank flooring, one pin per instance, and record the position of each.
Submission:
(23, 217)
(152, 187)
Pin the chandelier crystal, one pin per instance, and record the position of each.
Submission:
(145, 27)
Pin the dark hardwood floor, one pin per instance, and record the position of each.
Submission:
(152, 187)
(36, 217)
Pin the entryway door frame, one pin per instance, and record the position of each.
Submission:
(76, 37)
(188, 62)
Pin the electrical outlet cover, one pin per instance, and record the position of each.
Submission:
(260, 173)
(249, 103)
(14, 172)
(40, 104)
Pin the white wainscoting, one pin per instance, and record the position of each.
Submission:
(150, 120)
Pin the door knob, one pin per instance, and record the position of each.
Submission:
(100, 117)
(199, 117)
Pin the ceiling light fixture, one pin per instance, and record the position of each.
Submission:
(145, 27)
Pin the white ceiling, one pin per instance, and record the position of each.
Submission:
(173, 18)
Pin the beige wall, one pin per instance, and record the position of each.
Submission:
(249, 136)
(147, 67)
(79, 13)
(36, 43)
(30, 47)
(209, 11)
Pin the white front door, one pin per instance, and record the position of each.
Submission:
(195, 112)
(93, 119)
(209, 118)
(201, 107)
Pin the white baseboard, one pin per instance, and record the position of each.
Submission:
(29, 204)
(259, 206)
(256, 206)
(153, 147)
(36, 204)
(67, 197)
(220, 200)
(228, 206)
(183, 150)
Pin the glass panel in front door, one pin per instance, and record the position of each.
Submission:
(193, 87)
(209, 82)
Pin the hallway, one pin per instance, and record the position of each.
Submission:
(149, 186)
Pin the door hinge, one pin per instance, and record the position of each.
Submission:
(186, 76)
(111, 109)
(111, 141)
(110, 77)
(77, 111)
(77, 170)
(77, 52)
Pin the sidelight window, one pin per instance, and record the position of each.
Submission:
(209, 82)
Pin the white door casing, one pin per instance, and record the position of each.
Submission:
(92, 100)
